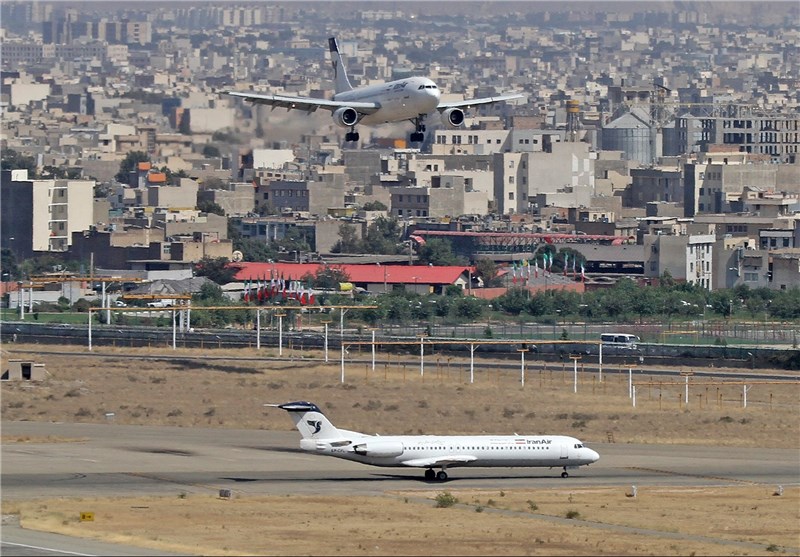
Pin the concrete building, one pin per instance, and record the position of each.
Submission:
(41, 215)
(650, 185)
(183, 196)
(688, 258)
(785, 269)
(775, 135)
(448, 196)
(238, 200)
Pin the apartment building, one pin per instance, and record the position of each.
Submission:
(41, 215)
(448, 196)
(688, 257)
(774, 135)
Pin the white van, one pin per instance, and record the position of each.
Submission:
(161, 304)
(620, 340)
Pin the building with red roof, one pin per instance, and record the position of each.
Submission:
(422, 279)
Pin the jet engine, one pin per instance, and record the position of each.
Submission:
(345, 117)
(453, 118)
(379, 448)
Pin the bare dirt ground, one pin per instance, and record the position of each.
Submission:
(396, 399)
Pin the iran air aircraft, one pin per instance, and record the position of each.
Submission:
(409, 99)
(431, 451)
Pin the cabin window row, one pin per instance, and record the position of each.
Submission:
(477, 448)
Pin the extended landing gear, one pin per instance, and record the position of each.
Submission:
(564, 474)
(352, 135)
(419, 135)
(430, 475)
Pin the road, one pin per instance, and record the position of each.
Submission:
(115, 460)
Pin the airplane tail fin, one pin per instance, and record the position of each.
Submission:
(341, 83)
(309, 420)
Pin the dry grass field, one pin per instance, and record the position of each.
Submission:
(710, 522)
(396, 399)
(230, 393)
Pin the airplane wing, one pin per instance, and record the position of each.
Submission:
(304, 103)
(469, 103)
(451, 460)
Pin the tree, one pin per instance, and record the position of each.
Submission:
(486, 269)
(468, 307)
(216, 269)
(129, 163)
(383, 236)
(437, 251)
(374, 206)
(256, 250)
(210, 150)
(513, 301)
(209, 293)
(12, 160)
(210, 207)
(266, 208)
(348, 241)
(8, 265)
(329, 277)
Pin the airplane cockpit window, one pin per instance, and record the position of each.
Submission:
(578, 446)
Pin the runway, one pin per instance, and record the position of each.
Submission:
(116, 460)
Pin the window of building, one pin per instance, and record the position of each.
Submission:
(511, 196)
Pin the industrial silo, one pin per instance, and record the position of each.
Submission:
(632, 133)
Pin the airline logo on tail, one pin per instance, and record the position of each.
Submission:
(316, 425)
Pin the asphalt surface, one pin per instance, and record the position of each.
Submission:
(116, 460)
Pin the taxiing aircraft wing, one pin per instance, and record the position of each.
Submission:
(451, 460)
(304, 103)
(475, 102)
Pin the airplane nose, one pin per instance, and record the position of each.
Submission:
(593, 455)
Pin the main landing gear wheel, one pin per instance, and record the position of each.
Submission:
(564, 474)
(430, 475)
(441, 475)
(351, 136)
(419, 134)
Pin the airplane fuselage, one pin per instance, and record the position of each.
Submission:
(400, 100)
(476, 451)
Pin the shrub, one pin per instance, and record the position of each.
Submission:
(573, 514)
(445, 500)
(532, 506)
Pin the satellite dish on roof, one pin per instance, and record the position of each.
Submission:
(237, 256)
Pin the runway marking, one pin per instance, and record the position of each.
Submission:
(48, 549)
(700, 476)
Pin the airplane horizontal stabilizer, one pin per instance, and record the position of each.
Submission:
(453, 460)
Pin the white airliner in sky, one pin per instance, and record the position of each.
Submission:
(409, 99)
(432, 451)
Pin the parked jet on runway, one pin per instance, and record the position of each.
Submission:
(409, 99)
(430, 452)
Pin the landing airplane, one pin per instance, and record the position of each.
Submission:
(409, 99)
(430, 451)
